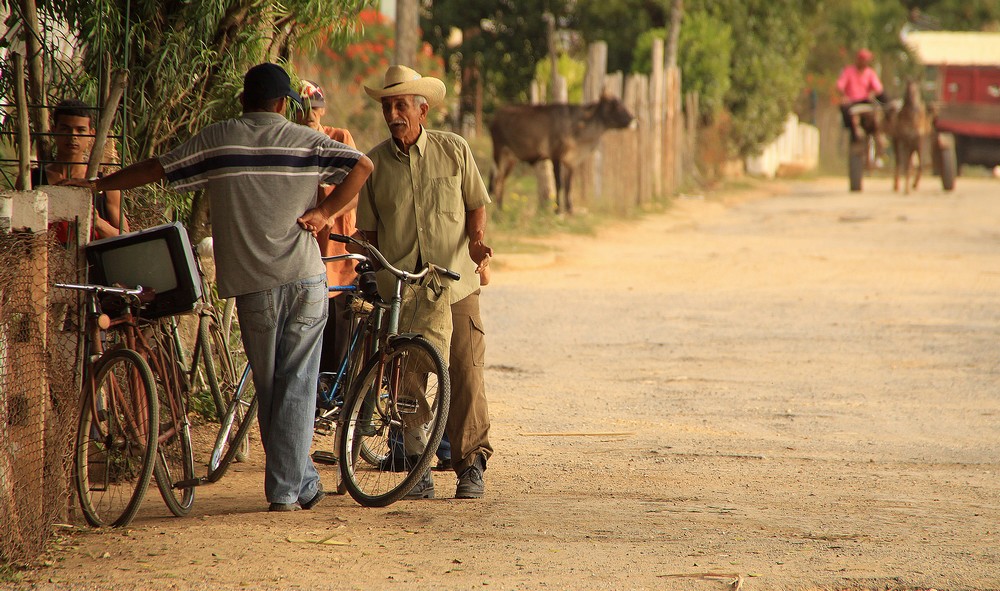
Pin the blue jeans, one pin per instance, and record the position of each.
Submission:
(282, 332)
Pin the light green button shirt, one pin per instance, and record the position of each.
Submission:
(417, 203)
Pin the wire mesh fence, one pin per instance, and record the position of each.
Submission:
(39, 387)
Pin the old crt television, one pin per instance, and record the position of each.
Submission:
(160, 258)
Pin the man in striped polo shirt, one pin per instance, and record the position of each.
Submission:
(261, 173)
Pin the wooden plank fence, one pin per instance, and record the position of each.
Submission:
(632, 167)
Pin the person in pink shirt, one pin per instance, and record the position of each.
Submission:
(858, 83)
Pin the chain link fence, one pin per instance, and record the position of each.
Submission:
(39, 386)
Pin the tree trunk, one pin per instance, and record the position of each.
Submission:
(407, 32)
(36, 79)
(676, 11)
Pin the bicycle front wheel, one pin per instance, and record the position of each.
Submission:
(398, 408)
(234, 428)
(226, 365)
(174, 453)
(116, 439)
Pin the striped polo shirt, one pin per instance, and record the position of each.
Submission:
(261, 173)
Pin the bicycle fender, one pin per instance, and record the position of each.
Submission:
(406, 336)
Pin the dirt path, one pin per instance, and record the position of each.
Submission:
(800, 391)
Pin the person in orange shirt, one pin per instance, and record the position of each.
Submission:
(336, 335)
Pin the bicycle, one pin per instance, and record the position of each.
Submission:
(175, 471)
(116, 444)
(389, 364)
(158, 343)
(239, 417)
(403, 389)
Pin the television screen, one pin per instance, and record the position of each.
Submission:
(159, 258)
(145, 263)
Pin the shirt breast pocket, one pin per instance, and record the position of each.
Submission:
(447, 194)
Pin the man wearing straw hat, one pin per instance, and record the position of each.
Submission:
(426, 202)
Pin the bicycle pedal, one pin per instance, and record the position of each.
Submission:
(323, 426)
(405, 406)
(190, 483)
(325, 457)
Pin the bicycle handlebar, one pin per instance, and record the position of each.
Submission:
(99, 289)
(399, 273)
(344, 257)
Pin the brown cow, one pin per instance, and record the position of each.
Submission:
(565, 134)
(908, 127)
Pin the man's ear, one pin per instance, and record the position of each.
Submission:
(424, 109)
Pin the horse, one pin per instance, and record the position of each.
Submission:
(908, 127)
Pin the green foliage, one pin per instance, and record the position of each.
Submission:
(185, 60)
(767, 66)
(705, 49)
(961, 15)
(202, 405)
(10, 574)
(501, 42)
(573, 70)
(619, 23)
(747, 57)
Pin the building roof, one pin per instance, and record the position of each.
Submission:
(935, 48)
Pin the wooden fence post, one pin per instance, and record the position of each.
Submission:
(670, 125)
(691, 116)
(679, 142)
(609, 162)
(637, 90)
(593, 85)
(544, 176)
(656, 89)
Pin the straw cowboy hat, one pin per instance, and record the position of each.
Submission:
(402, 80)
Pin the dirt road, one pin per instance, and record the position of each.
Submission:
(789, 392)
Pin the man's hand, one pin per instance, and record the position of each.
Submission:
(312, 221)
(481, 254)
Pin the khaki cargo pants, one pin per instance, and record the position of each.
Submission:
(469, 418)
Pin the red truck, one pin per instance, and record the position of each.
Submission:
(964, 73)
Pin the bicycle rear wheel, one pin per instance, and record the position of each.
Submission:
(174, 453)
(116, 439)
(235, 427)
(409, 393)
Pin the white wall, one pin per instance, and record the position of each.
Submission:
(796, 147)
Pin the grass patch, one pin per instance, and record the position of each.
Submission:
(10, 574)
